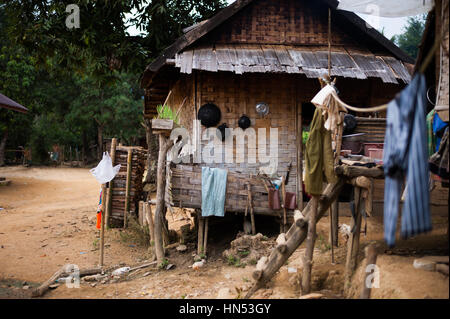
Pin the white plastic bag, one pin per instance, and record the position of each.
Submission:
(105, 172)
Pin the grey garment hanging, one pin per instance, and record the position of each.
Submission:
(406, 154)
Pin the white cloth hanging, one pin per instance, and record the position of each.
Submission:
(327, 101)
(387, 8)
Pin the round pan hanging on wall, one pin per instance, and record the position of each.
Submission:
(209, 115)
(244, 122)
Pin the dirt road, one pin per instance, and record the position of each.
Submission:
(47, 219)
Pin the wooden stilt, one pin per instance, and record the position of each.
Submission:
(371, 259)
(353, 241)
(127, 190)
(331, 233)
(110, 188)
(151, 227)
(164, 146)
(307, 263)
(250, 203)
(335, 223)
(201, 223)
(283, 199)
(102, 228)
(205, 236)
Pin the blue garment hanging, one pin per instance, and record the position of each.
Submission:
(214, 185)
(438, 129)
(406, 153)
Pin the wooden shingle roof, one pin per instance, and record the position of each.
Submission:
(369, 65)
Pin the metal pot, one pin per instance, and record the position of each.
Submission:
(353, 142)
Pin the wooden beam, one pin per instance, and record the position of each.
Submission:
(356, 171)
(102, 228)
(310, 240)
(371, 259)
(353, 241)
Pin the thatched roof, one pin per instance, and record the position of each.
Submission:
(290, 59)
(368, 65)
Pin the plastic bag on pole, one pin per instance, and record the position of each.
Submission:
(105, 172)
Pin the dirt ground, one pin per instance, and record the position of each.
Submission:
(47, 219)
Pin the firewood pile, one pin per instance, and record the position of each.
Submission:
(119, 183)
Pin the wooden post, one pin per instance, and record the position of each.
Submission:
(151, 228)
(205, 237)
(110, 189)
(353, 241)
(201, 223)
(102, 228)
(331, 232)
(299, 132)
(160, 203)
(334, 231)
(371, 259)
(310, 239)
(127, 189)
(283, 199)
(335, 223)
(250, 203)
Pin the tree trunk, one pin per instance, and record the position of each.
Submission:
(3, 147)
(160, 203)
(99, 141)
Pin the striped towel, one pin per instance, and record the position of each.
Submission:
(406, 153)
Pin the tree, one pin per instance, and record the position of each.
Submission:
(410, 39)
(82, 84)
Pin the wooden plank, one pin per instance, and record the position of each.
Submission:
(162, 124)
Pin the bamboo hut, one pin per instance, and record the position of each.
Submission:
(272, 52)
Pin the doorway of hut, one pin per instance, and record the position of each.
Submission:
(223, 230)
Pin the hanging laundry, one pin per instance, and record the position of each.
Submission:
(214, 185)
(319, 156)
(405, 153)
(387, 8)
(326, 101)
(439, 162)
(439, 127)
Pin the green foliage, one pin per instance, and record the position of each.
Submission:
(305, 136)
(82, 83)
(163, 264)
(166, 112)
(235, 261)
(410, 39)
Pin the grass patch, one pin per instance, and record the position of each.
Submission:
(235, 261)
(323, 244)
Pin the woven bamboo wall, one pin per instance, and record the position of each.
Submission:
(138, 159)
(286, 22)
(236, 95)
